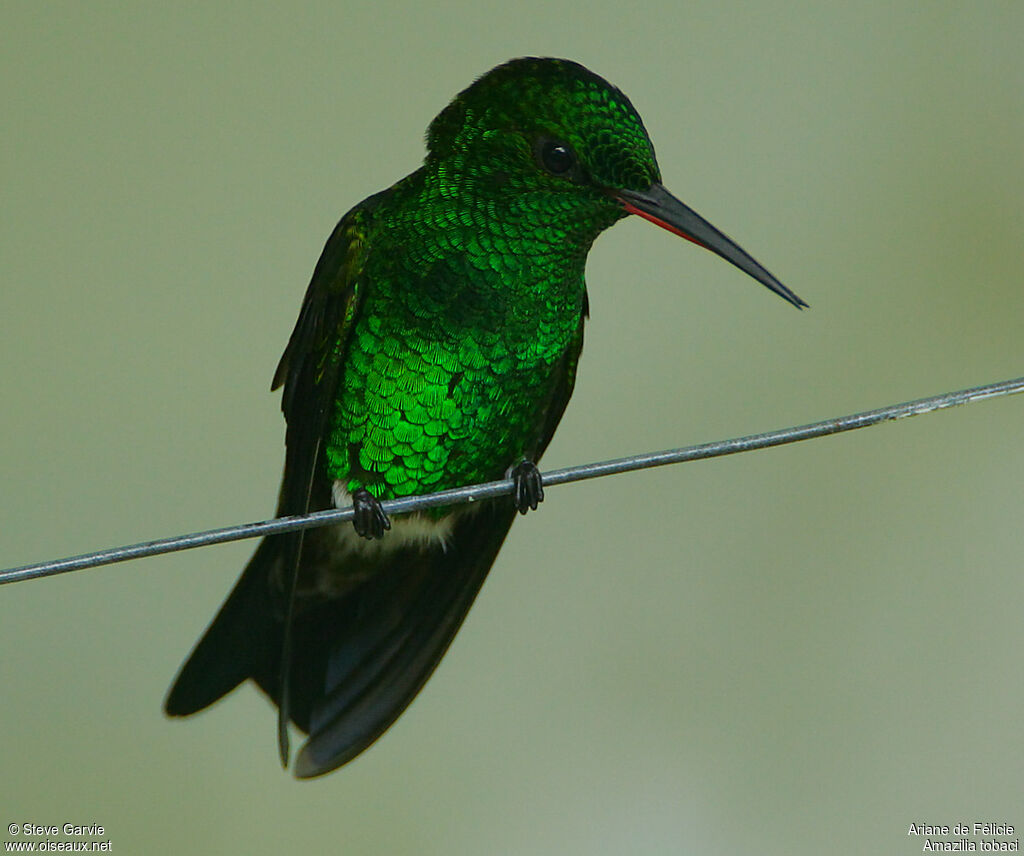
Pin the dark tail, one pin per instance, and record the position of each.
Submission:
(243, 640)
(359, 659)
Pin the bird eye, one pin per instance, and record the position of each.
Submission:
(557, 158)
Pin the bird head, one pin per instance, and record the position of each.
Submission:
(560, 148)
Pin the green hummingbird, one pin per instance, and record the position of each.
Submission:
(436, 347)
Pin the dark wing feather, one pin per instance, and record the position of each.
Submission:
(310, 366)
(247, 634)
(309, 370)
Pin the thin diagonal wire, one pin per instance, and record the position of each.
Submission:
(474, 493)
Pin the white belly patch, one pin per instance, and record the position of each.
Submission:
(407, 530)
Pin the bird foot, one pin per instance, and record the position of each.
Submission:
(369, 519)
(529, 489)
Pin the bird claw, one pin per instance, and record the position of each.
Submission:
(369, 518)
(529, 488)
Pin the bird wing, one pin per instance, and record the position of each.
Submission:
(310, 370)
(247, 637)
(310, 367)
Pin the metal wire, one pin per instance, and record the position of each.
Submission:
(488, 490)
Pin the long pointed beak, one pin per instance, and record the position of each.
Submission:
(661, 207)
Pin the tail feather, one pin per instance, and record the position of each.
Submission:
(375, 668)
(236, 645)
(358, 659)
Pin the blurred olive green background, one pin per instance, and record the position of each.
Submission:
(795, 651)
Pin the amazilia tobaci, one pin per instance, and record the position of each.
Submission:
(437, 347)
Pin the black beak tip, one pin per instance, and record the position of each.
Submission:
(663, 209)
(797, 301)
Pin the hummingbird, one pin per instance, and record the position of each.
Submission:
(436, 347)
